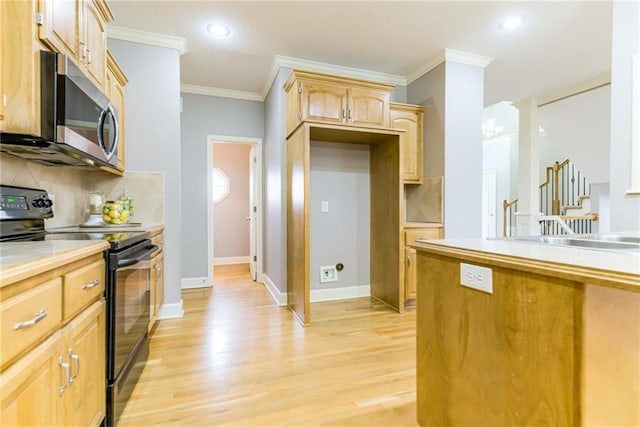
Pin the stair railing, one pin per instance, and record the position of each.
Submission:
(509, 210)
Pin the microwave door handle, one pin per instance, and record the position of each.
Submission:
(139, 256)
(114, 141)
(108, 110)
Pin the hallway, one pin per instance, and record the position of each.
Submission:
(237, 359)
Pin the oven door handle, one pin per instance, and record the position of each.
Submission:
(138, 256)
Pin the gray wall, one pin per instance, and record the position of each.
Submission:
(231, 229)
(152, 126)
(202, 116)
(340, 174)
(275, 161)
(453, 94)
(625, 211)
(429, 91)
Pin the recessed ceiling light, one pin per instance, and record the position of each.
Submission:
(511, 22)
(218, 30)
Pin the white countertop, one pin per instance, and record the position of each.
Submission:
(615, 268)
(12, 253)
(19, 260)
(145, 226)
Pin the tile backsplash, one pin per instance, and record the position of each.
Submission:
(424, 202)
(68, 186)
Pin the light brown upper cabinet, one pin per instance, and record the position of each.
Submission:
(77, 28)
(336, 100)
(114, 89)
(409, 118)
(19, 74)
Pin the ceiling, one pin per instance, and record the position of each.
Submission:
(558, 45)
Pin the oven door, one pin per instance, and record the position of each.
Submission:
(129, 302)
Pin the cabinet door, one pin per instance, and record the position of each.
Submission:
(157, 287)
(324, 102)
(409, 273)
(95, 39)
(59, 27)
(410, 143)
(20, 85)
(84, 338)
(29, 389)
(117, 99)
(368, 108)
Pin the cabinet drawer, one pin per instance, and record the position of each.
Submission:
(82, 286)
(417, 233)
(159, 242)
(29, 316)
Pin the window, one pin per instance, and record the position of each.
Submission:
(221, 185)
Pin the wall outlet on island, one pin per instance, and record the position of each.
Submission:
(476, 277)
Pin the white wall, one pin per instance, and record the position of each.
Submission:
(152, 126)
(202, 116)
(340, 175)
(579, 127)
(463, 150)
(231, 229)
(497, 155)
(625, 211)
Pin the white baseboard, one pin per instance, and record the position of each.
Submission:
(331, 294)
(195, 282)
(231, 260)
(279, 297)
(171, 311)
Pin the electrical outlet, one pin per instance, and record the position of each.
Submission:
(328, 273)
(324, 206)
(476, 277)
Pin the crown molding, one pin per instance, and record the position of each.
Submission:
(599, 81)
(280, 61)
(144, 37)
(449, 55)
(223, 93)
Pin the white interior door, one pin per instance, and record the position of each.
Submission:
(489, 204)
(253, 215)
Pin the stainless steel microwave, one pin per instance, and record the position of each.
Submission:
(79, 125)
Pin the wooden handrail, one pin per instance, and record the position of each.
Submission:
(505, 206)
(591, 216)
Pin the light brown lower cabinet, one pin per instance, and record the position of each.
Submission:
(410, 270)
(61, 381)
(157, 280)
(52, 351)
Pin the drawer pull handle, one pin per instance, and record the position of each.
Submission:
(93, 284)
(76, 359)
(41, 315)
(67, 369)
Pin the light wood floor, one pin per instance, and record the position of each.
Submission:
(237, 359)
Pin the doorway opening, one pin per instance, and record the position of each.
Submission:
(234, 205)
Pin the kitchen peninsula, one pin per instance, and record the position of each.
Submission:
(556, 341)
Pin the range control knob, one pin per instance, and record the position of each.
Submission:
(42, 203)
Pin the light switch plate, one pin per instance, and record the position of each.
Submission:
(476, 277)
(324, 206)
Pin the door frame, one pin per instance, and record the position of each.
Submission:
(257, 142)
(489, 201)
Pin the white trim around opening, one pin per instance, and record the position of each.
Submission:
(212, 139)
